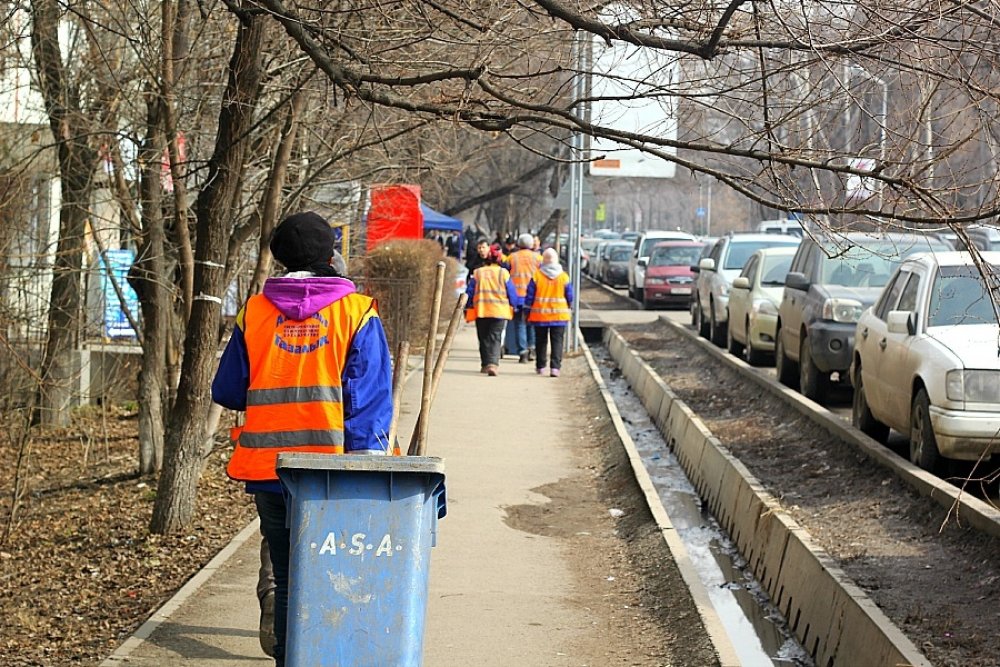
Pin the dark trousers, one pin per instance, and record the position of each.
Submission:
(490, 331)
(273, 523)
(545, 335)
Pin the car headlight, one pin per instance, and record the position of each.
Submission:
(655, 281)
(973, 386)
(842, 310)
(764, 307)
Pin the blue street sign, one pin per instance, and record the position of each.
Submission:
(700, 212)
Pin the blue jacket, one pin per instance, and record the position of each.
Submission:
(529, 300)
(367, 375)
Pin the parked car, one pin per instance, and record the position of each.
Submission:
(984, 237)
(669, 278)
(693, 304)
(630, 236)
(832, 280)
(640, 251)
(717, 272)
(925, 360)
(587, 246)
(607, 235)
(780, 226)
(615, 263)
(597, 259)
(753, 303)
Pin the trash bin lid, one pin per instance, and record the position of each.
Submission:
(361, 463)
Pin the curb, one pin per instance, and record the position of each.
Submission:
(833, 619)
(709, 617)
(163, 614)
(963, 507)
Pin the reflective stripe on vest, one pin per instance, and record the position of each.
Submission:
(294, 401)
(523, 265)
(550, 303)
(490, 298)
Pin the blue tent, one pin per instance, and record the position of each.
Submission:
(435, 220)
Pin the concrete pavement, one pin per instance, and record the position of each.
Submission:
(498, 596)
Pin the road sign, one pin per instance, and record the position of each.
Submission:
(700, 212)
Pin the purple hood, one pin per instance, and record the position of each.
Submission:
(300, 298)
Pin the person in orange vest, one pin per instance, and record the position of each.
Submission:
(548, 301)
(309, 364)
(492, 300)
(523, 264)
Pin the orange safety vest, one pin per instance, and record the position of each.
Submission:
(294, 401)
(550, 303)
(523, 265)
(490, 298)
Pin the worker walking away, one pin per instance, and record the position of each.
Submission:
(523, 264)
(309, 363)
(492, 298)
(548, 301)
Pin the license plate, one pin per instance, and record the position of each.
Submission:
(680, 290)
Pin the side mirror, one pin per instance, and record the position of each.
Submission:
(741, 282)
(797, 281)
(641, 262)
(707, 264)
(695, 268)
(902, 322)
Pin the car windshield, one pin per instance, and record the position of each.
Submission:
(649, 243)
(740, 251)
(959, 296)
(676, 256)
(620, 254)
(774, 271)
(873, 264)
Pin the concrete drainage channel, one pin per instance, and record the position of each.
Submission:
(833, 621)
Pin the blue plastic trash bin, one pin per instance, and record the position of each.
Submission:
(362, 529)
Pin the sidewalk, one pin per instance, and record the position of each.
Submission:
(497, 596)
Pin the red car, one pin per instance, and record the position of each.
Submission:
(669, 278)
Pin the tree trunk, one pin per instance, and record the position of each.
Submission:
(175, 498)
(148, 279)
(76, 161)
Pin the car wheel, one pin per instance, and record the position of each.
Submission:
(695, 312)
(812, 383)
(734, 346)
(861, 415)
(923, 443)
(754, 357)
(788, 374)
(646, 304)
(717, 331)
(703, 327)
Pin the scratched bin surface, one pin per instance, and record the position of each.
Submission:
(362, 530)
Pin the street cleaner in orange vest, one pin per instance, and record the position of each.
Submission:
(309, 363)
(492, 298)
(523, 264)
(548, 301)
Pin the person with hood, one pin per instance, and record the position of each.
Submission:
(492, 299)
(523, 264)
(548, 300)
(309, 364)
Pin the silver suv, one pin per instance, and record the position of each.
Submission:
(716, 274)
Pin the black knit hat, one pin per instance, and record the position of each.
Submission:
(302, 241)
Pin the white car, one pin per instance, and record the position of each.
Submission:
(925, 360)
(640, 257)
(753, 303)
(717, 272)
